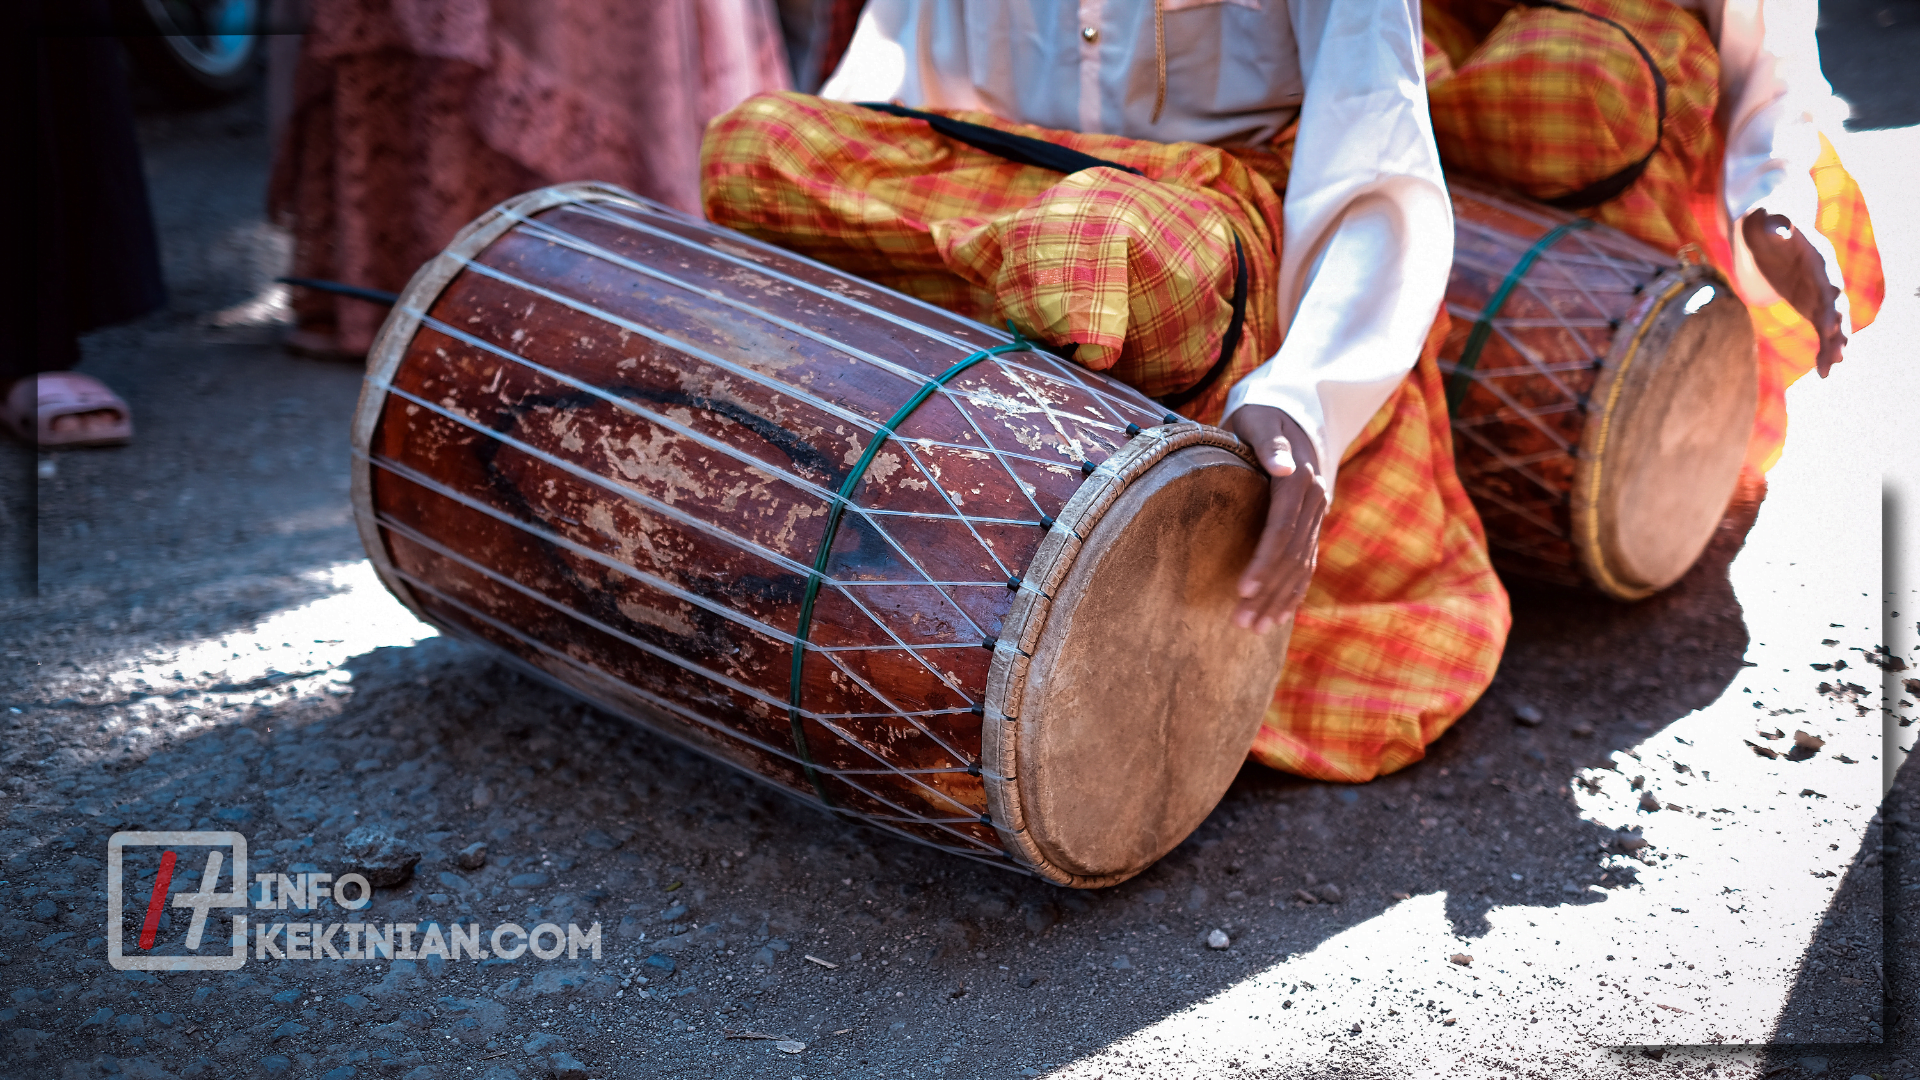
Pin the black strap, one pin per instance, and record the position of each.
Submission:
(1610, 187)
(1025, 150)
(1229, 344)
(1021, 149)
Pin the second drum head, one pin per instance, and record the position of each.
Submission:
(1668, 428)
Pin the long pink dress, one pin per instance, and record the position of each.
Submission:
(410, 117)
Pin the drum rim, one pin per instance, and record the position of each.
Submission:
(1590, 471)
(1026, 622)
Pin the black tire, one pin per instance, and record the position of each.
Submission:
(197, 51)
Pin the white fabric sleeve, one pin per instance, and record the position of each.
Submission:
(898, 52)
(1369, 228)
(1776, 101)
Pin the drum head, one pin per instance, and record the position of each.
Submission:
(1122, 708)
(1670, 420)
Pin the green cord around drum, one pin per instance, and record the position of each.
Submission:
(1462, 376)
(834, 513)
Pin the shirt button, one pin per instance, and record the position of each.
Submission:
(1089, 34)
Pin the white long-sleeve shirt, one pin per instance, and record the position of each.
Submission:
(1368, 232)
(1368, 236)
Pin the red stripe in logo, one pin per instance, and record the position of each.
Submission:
(158, 901)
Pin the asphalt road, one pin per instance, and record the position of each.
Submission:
(208, 650)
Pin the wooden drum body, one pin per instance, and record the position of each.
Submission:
(879, 555)
(1602, 395)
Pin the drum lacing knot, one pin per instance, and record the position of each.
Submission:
(1046, 523)
(974, 769)
(1132, 430)
(990, 644)
(1013, 583)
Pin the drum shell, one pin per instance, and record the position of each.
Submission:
(490, 503)
(1526, 447)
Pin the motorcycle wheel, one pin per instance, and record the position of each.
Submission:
(199, 51)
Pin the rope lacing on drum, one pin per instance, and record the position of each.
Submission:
(1463, 376)
(835, 511)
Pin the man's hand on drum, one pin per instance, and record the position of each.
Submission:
(1797, 272)
(1276, 578)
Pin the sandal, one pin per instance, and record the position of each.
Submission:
(34, 404)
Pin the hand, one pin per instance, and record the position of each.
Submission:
(1798, 273)
(1276, 577)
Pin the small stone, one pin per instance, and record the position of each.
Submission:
(1627, 843)
(544, 1042)
(1122, 963)
(1807, 740)
(1196, 898)
(789, 1046)
(1463, 959)
(1236, 896)
(1526, 715)
(663, 963)
(381, 857)
(1217, 939)
(566, 1067)
(1814, 1065)
(1328, 893)
(473, 856)
(1583, 730)
(1305, 897)
(1648, 802)
(527, 881)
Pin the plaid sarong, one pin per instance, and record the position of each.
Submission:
(1405, 621)
(1547, 101)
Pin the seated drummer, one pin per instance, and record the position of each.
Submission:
(1252, 226)
(1724, 155)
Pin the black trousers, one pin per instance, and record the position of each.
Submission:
(86, 254)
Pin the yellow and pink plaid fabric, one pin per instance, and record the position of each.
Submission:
(1137, 271)
(1405, 621)
(1547, 101)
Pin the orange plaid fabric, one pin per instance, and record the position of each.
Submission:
(1403, 626)
(1137, 272)
(1548, 101)
(1788, 342)
(1405, 621)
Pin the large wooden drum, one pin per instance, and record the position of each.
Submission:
(879, 555)
(1602, 395)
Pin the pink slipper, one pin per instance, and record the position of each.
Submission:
(33, 405)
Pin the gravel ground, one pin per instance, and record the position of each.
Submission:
(1596, 873)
